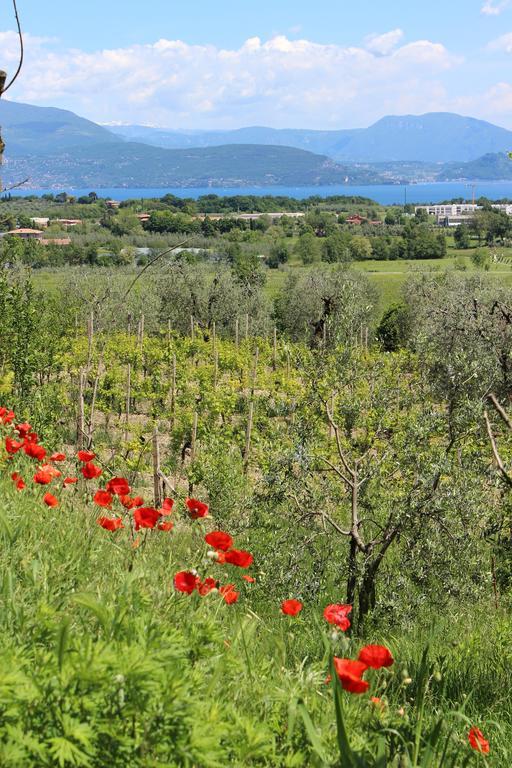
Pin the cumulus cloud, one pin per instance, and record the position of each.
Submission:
(385, 43)
(279, 82)
(494, 7)
(503, 43)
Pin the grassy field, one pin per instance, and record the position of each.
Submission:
(387, 276)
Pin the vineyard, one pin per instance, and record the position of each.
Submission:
(229, 542)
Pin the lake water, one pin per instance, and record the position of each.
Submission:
(385, 194)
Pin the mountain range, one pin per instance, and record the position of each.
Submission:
(57, 149)
(437, 137)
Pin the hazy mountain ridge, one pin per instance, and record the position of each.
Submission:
(56, 148)
(435, 137)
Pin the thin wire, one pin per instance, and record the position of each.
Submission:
(22, 48)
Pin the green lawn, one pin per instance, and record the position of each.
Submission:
(387, 276)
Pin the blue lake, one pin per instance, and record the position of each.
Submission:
(384, 194)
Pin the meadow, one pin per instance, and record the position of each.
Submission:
(184, 582)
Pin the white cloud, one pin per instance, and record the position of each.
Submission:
(494, 7)
(503, 43)
(279, 82)
(385, 43)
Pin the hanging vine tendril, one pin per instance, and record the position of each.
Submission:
(22, 50)
(4, 88)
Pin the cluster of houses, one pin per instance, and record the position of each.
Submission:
(455, 214)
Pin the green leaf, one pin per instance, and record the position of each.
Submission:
(90, 603)
(62, 641)
(312, 733)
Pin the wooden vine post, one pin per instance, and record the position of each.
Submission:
(237, 332)
(248, 434)
(157, 482)
(173, 389)
(128, 399)
(274, 352)
(80, 428)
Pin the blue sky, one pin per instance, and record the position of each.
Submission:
(299, 63)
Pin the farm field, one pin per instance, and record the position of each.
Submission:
(200, 595)
(256, 493)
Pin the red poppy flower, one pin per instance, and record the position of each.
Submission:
(350, 674)
(219, 540)
(50, 500)
(42, 478)
(167, 506)
(58, 457)
(138, 501)
(85, 456)
(110, 523)
(207, 586)
(23, 429)
(337, 614)
(376, 656)
(229, 593)
(7, 416)
(477, 740)
(146, 517)
(248, 578)
(103, 499)
(196, 509)
(70, 480)
(291, 607)
(18, 481)
(12, 446)
(165, 526)
(238, 557)
(185, 581)
(51, 470)
(90, 471)
(118, 486)
(34, 450)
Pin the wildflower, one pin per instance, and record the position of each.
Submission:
(6, 416)
(185, 581)
(118, 486)
(34, 451)
(249, 579)
(167, 506)
(196, 509)
(23, 429)
(70, 480)
(12, 446)
(58, 457)
(350, 674)
(50, 500)
(219, 540)
(90, 471)
(85, 456)
(146, 517)
(50, 470)
(138, 501)
(229, 593)
(165, 526)
(110, 523)
(338, 615)
(477, 740)
(103, 499)
(291, 607)
(18, 481)
(42, 478)
(208, 585)
(376, 656)
(238, 557)
(378, 702)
